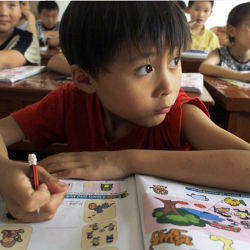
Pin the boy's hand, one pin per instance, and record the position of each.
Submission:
(28, 14)
(23, 201)
(88, 165)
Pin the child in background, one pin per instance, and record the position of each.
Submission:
(48, 25)
(124, 112)
(17, 47)
(27, 20)
(229, 61)
(202, 39)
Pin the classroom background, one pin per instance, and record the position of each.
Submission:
(219, 17)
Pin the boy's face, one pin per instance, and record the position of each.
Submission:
(142, 89)
(10, 14)
(200, 11)
(49, 18)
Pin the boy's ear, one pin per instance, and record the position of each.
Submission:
(231, 31)
(82, 79)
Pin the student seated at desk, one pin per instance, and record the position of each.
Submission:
(48, 25)
(17, 47)
(28, 19)
(202, 39)
(125, 112)
(59, 64)
(229, 61)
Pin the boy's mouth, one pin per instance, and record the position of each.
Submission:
(164, 110)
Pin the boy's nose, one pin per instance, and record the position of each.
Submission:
(165, 86)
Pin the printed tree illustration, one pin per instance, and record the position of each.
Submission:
(177, 216)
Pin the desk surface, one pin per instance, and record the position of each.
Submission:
(230, 97)
(235, 102)
(190, 64)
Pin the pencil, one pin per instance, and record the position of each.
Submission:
(33, 172)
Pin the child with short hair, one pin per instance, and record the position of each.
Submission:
(125, 112)
(17, 47)
(202, 39)
(231, 60)
(27, 20)
(48, 25)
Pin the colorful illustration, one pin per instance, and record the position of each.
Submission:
(99, 234)
(99, 210)
(173, 236)
(101, 188)
(198, 197)
(225, 221)
(226, 242)
(15, 237)
(159, 189)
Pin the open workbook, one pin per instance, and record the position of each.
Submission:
(137, 213)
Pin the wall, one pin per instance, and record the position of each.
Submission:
(218, 18)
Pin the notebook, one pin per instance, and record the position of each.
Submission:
(192, 82)
(19, 73)
(140, 212)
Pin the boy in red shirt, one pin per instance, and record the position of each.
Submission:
(124, 113)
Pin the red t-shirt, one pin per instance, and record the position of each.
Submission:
(69, 115)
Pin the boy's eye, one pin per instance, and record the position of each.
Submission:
(146, 69)
(174, 62)
(12, 4)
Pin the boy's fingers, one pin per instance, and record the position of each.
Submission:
(62, 166)
(36, 199)
(54, 186)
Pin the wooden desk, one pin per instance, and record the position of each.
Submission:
(22, 93)
(235, 102)
(204, 97)
(190, 64)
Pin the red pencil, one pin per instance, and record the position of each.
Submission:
(33, 172)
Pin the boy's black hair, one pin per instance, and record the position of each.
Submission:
(47, 5)
(190, 3)
(92, 33)
(237, 15)
(181, 4)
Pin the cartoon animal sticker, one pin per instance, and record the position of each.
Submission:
(227, 243)
(99, 210)
(99, 234)
(173, 236)
(106, 187)
(234, 202)
(159, 189)
(16, 237)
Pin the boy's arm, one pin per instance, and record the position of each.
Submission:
(51, 33)
(15, 187)
(211, 67)
(31, 21)
(59, 63)
(11, 59)
(223, 160)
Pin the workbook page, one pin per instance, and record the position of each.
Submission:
(181, 216)
(94, 215)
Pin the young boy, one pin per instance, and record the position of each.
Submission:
(17, 47)
(124, 113)
(28, 19)
(48, 25)
(202, 39)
